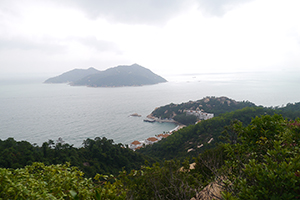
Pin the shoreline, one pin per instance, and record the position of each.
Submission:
(139, 144)
(163, 120)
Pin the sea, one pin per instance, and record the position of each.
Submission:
(36, 112)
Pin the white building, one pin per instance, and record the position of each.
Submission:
(200, 114)
(151, 140)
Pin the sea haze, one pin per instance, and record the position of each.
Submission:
(37, 112)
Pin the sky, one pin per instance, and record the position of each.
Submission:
(50, 37)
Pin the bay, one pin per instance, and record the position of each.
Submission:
(37, 112)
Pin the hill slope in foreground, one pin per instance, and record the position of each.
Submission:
(133, 75)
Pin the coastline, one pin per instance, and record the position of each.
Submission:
(139, 144)
(162, 120)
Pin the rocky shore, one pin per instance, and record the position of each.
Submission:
(135, 115)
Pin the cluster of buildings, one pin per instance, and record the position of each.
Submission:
(139, 144)
(200, 114)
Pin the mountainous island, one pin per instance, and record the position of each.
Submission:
(123, 75)
(73, 75)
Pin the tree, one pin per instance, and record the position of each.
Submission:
(169, 181)
(38, 181)
(265, 163)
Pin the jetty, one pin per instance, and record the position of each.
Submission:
(149, 120)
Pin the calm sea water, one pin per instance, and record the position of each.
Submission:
(36, 112)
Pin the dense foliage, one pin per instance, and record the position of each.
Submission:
(38, 181)
(96, 156)
(291, 109)
(185, 119)
(167, 181)
(257, 161)
(265, 161)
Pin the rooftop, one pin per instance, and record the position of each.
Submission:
(152, 139)
(135, 142)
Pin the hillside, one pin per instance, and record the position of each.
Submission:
(72, 75)
(214, 105)
(194, 139)
(99, 155)
(133, 75)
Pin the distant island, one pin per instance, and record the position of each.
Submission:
(124, 75)
(72, 76)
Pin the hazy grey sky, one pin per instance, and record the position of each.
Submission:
(169, 36)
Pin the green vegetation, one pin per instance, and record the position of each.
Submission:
(215, 105)
(96, 156)
(185, 119)
(261, 162)
(38, 181)
(265, 161)
(291, 109)
(254, 154)
(194, 136)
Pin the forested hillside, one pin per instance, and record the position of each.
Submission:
(215, 105)
(292, 110)
(99, 155)
(193, 139)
